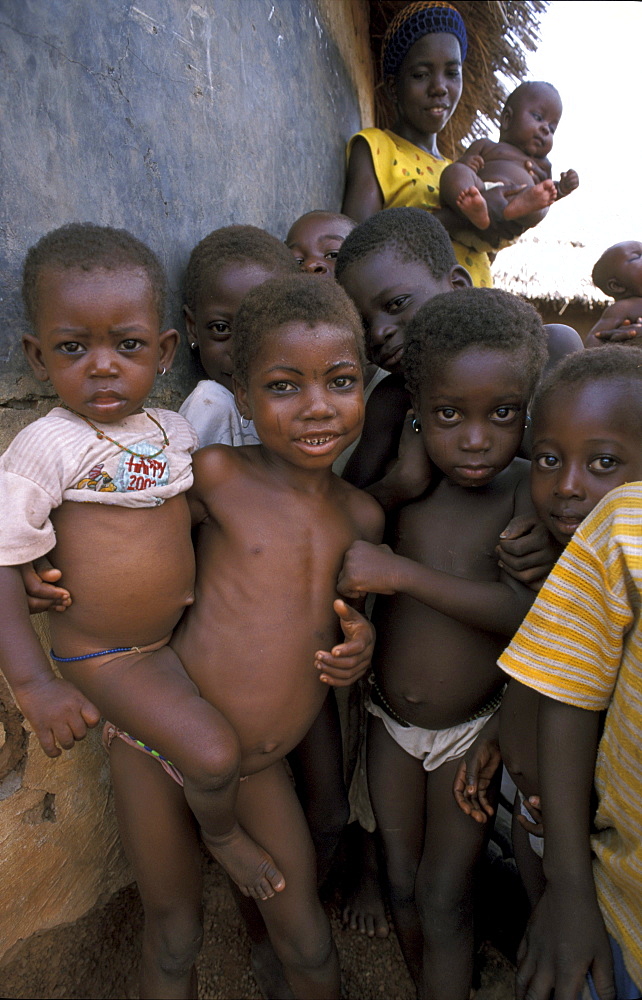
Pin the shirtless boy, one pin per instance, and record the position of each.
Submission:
(274, 526)
(471, 362)
(491, 172)
(618, 272)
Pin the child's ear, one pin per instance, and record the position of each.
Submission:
(505, 119)
(33, 350)
(190, 326)
(460, 278)
(241, 398)
(168, 343)
(614, 286)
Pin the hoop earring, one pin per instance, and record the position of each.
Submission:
(416, 425)
(193, 346)
(163, 371)
(245, 423)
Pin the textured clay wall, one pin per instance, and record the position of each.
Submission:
(168, 118)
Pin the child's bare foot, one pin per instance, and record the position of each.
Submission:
(268, 972)
(531, 199)
(472, 204)
(248, 865)
(364, 910)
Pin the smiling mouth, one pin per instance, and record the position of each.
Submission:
(391, 360)
(317, 441)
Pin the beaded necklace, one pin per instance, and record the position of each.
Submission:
(101, 434)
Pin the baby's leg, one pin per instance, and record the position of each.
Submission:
(269, 810)
(461, 189)
(317, 765)
(160, 839)
(397, 783)
(531, 205)
(150, 697)
(453, 846)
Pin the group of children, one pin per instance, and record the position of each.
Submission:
(475, 456)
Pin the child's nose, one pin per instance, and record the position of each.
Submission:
(317, 404)
(102, 361)
(381, 331)
(474, 437)
(314, 266)
(569, 482)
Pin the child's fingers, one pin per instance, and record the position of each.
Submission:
(90, 714)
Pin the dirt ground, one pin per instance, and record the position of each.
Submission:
(96, 958)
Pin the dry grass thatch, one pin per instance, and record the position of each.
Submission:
(500, 33)
(552, 272)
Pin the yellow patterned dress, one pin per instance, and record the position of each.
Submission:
(409, 177)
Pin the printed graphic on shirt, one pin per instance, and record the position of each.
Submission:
(139, 472)
(97, 480)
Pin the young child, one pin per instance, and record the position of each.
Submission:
(587, 440)
(618, 272)
(494, 173)
(471, 362)
(315, 239)
(100, 474)
(275, 523)
(581, 649)
(222, 269)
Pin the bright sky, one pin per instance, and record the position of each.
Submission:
(591, 52)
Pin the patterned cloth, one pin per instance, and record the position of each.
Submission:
(60, 457)
(413, 22)
(409, 177)
(581, 643)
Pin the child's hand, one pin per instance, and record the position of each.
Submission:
(473, 160)
(349, 661)
(57, 711)
(533, 806)
(476, 772)
(526, 551)
(39, 579)
(367, 569)
(565, 938)
(621, 334)
(538, 171)
(568, 182)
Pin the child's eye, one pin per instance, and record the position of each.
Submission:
(603, 463)
(547, 462)
(331, 255)
(299, 261)
(505, 412)
(220, 328)
(397, 304)
(447, 414)
(281, 386)
(536, 116)
(130, 344)
(71, 347)
(343, 382)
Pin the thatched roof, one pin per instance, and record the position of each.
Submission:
(554, 272)
(499, 36)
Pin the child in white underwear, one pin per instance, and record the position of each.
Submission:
(471, 362)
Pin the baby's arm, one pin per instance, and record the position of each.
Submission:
(568, 182)
(559, 949)
(57, 711)
(620, 322)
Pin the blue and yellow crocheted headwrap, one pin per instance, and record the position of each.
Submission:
(412, 23)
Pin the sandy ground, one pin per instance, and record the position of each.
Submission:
(97, 957)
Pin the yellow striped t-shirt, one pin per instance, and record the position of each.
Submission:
(581, 643)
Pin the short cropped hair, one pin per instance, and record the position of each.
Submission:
(611, 363)
(472, 317)
(411, 233)
(522, 90)
(84, 246)
(234, 245)
(301, 298)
